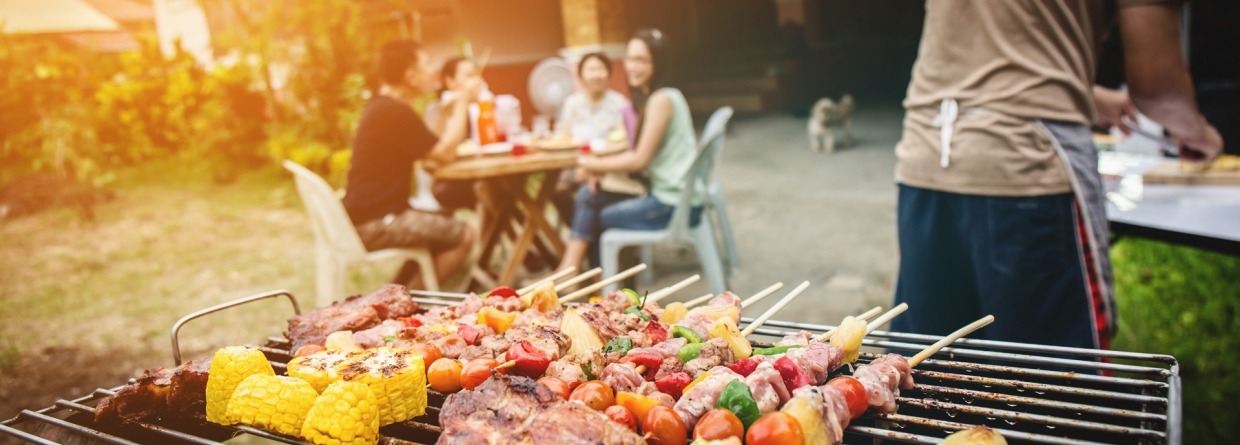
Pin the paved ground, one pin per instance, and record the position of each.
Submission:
(801, 216)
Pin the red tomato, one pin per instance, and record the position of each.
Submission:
(622, 415)
(444, 375)
(775, 428)
(663, 426)
(477, 371)
(556, 386)
(430, 353)
(854, 394)
(718, 424)
(595, 394)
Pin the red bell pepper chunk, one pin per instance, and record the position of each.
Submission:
(469, 333)
(744, 367)
(674, 384)
(503, 291)
(656, 332)
(794, 377)
(650, 360)
(530, 361)
(410, 322)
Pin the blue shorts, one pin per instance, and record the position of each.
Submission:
(1019, 258)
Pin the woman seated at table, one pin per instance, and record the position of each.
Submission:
(590, 113)
(457, 72)
(665, 150)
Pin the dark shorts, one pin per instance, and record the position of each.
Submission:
(1019, 258)
(412, 228)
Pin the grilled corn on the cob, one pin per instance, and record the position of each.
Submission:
(345, 414)
(320, 369)
(396, 376)
(229, 367)
(276, 403)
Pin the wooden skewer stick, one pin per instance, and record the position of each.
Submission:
(760, 295)
(757, 323)
(579, 278)
(960, 333)
(886, 317)
(552, 277)
(665, 292)
(506, 365)
(641, 369)
(863, 316)
(698, 300)
(604, 283)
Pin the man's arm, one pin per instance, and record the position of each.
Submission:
(1158, 79)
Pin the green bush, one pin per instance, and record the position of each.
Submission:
(1185, 302)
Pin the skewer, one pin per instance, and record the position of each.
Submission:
(960, 333)
(886, 317)
(555, 276)
(760, 295)
(698, 300)
(506, 365)
(664, 292)
(771, 312)
(604, 283)
(579, 278)
(864, 316)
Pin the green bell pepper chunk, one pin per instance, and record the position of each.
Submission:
(686, 333)
(632, 295)
(635, 310)
(619, 344)
(737, 398)
(690, 351)
(585, 369)
(775, 350)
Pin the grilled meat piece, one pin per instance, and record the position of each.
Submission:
(702, 397)
(355, 313)
(715, 353)
(160, 392)
(517, 410)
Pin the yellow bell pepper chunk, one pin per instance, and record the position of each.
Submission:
(636, 403)
(594, 299)
(699, 379)
(498, 320)
(725, 329)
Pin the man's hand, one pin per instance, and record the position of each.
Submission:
(1113, 108)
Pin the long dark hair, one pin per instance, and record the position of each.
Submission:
(449, 71)
(661, 69)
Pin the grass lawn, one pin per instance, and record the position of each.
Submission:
(88, 304)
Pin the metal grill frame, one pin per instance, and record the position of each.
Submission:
(1156, 376)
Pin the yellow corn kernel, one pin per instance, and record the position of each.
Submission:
(229, 367)
(276, 403)
(345, 414)
(320, 368)
(396, 376)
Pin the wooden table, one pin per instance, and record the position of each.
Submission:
(504, 178)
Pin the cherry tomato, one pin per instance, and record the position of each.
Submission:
(854, 394)
(622, 415)
(477, 371)
(556, 386)
(718, 424)
(594, 394)
(308, 350)
(430, 353)
(444, 375)
(775, 428)
(663, 426)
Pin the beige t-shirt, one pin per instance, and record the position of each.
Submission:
(1007, 64)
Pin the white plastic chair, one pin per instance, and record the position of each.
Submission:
(718, 123)
(336, 243)
(678, 229)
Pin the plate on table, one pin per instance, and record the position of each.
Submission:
(470, 148)
(556, 143)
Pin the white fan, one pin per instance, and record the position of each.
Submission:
(551, 82)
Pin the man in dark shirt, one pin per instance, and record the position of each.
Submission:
(390, 138)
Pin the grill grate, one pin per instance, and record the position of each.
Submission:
(1029, 393)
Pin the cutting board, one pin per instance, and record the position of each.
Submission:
(1224, 171)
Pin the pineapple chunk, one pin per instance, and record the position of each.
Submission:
(342, 341)
(583, 336)
(724, 328)
(229, 367)
(673, 313)
(812, 427)
(544, 299)
(848, 337)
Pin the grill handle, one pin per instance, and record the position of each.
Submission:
(176, 327)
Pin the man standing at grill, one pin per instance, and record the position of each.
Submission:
(1000, 201)
(390, 138)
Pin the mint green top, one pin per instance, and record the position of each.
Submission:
(675, 155)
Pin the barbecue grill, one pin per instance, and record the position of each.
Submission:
(1029, 393)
